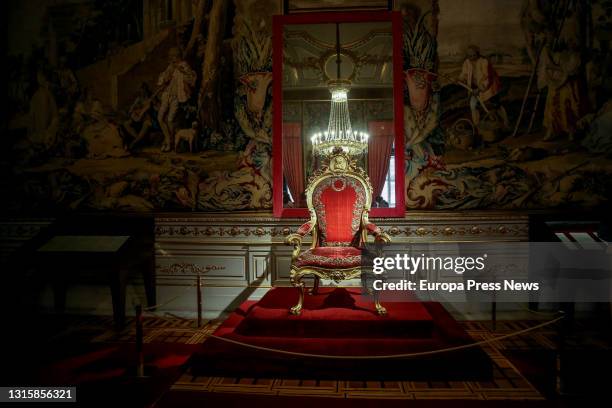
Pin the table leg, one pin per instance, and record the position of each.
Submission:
(118, 283)
(148, 276)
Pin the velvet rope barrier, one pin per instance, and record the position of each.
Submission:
(139, 322)
(332, 357)
(172, 299)
(391, 356)
(201, 285)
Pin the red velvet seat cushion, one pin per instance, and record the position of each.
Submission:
(330, 257)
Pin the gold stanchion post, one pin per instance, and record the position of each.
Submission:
(199, 299)
(139, 342)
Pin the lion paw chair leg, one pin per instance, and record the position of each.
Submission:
(380, 309)
(297, 309)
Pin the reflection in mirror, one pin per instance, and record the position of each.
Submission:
(337, 83)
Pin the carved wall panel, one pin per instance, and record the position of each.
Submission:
(242, 256)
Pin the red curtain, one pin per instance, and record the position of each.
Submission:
(293, 168)
(379, 152)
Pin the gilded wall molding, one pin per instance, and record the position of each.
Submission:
(14, 232)
(22, 228)
(415, 226)
(188, 268)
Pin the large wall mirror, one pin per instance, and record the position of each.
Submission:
(312, 53)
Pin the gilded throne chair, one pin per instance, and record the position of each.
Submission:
(339, 197)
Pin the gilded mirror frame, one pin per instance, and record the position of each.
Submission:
(279, 21)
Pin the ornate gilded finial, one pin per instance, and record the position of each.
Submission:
(339, 162)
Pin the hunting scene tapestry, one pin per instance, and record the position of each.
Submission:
(151, 105)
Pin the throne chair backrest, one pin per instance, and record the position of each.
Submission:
(338, 197)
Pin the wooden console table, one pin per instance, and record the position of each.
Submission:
(64, 256)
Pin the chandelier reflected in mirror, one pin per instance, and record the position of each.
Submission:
(339, 133)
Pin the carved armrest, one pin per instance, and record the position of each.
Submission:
(295, 239)
(379, 235)
(380, 238)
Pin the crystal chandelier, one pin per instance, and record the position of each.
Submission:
(340, 133)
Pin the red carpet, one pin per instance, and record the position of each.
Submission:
(333, 314)
(338, 322)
